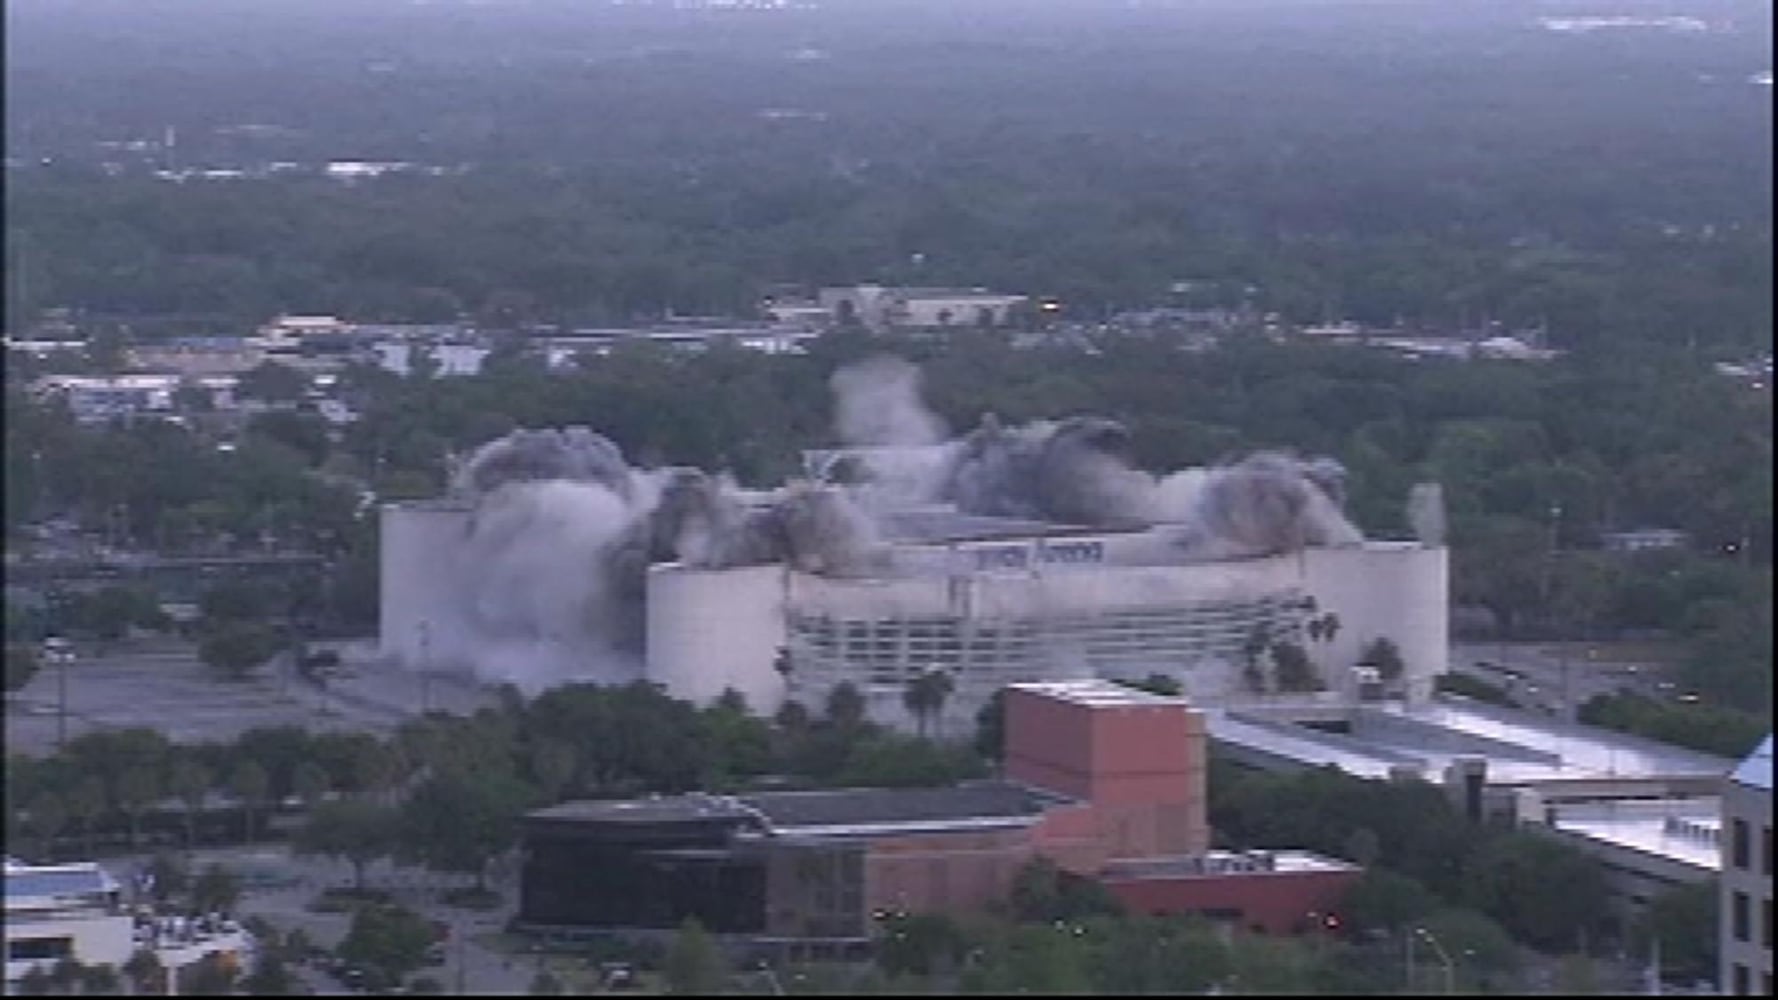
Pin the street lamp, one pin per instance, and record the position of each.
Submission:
(60, 652)
(1443, 956)
(425, 629)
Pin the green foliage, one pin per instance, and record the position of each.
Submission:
(922, 944)
(356, 830)
(1685, 920)
(216, 890)
(391, 940)
(1385, 900)
(22, 664)
(1294, 670)
(1726, 732)
(234, 649)
(694, 964)
(1044, 893)
(1470, 686)
(1546, 893)
(990, 727)
(1385, 656)
(458, 821)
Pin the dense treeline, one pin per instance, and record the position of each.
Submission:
(1379, 165)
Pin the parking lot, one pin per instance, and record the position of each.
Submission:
(280, 889)
(162, 685)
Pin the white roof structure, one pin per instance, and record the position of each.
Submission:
(1520, 748)
(1097, 693)
(1686, 831)
(1756, 770)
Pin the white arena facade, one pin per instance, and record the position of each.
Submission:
(990, 601)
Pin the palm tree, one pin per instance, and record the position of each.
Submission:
(925, 696)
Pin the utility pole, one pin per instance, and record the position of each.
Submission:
(425, 628)
(60, 652)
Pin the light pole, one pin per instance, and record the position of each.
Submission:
(425, 629)
(60, 652)
(1443, 956)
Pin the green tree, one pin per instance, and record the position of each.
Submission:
(22, 664)
(1544, 892)
(990, 727)
(250, 785)
(270, 977)
(272, 382)
(100, 980)
(215, 890)
(48, 815)
(311, 782)
(845, 706)
(356, 830)
(925, 696)
(137, 789)
(87, 803)
(1684, 919)
(923, 944)
(190, 781)
(144, 970)
(694, 964)
(1294, 670)
(457, 822)
(391, 940)
(235, 648)
(1385, 657)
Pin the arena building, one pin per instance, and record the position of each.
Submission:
(988, 601)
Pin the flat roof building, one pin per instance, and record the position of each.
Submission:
(1104, 781)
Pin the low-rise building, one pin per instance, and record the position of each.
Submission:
(1105, 782)
(879, 308)
(56, 912)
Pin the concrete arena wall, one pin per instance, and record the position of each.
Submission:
(714, 629)
(421, 544)
(1023, 593)
(1396, 589)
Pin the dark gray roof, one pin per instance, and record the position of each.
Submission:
(676, 809)
(872, 806)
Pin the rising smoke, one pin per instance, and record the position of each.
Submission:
(551, 578)
(1078, 471)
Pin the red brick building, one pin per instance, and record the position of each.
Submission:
(1105, 781)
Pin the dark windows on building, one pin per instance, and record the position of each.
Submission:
(34, 949)
(1765, 923)
(1740, 845)
(1765, 852)
(1740, 975)
(1740, 917)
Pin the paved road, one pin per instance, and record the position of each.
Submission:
(1555, 677)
